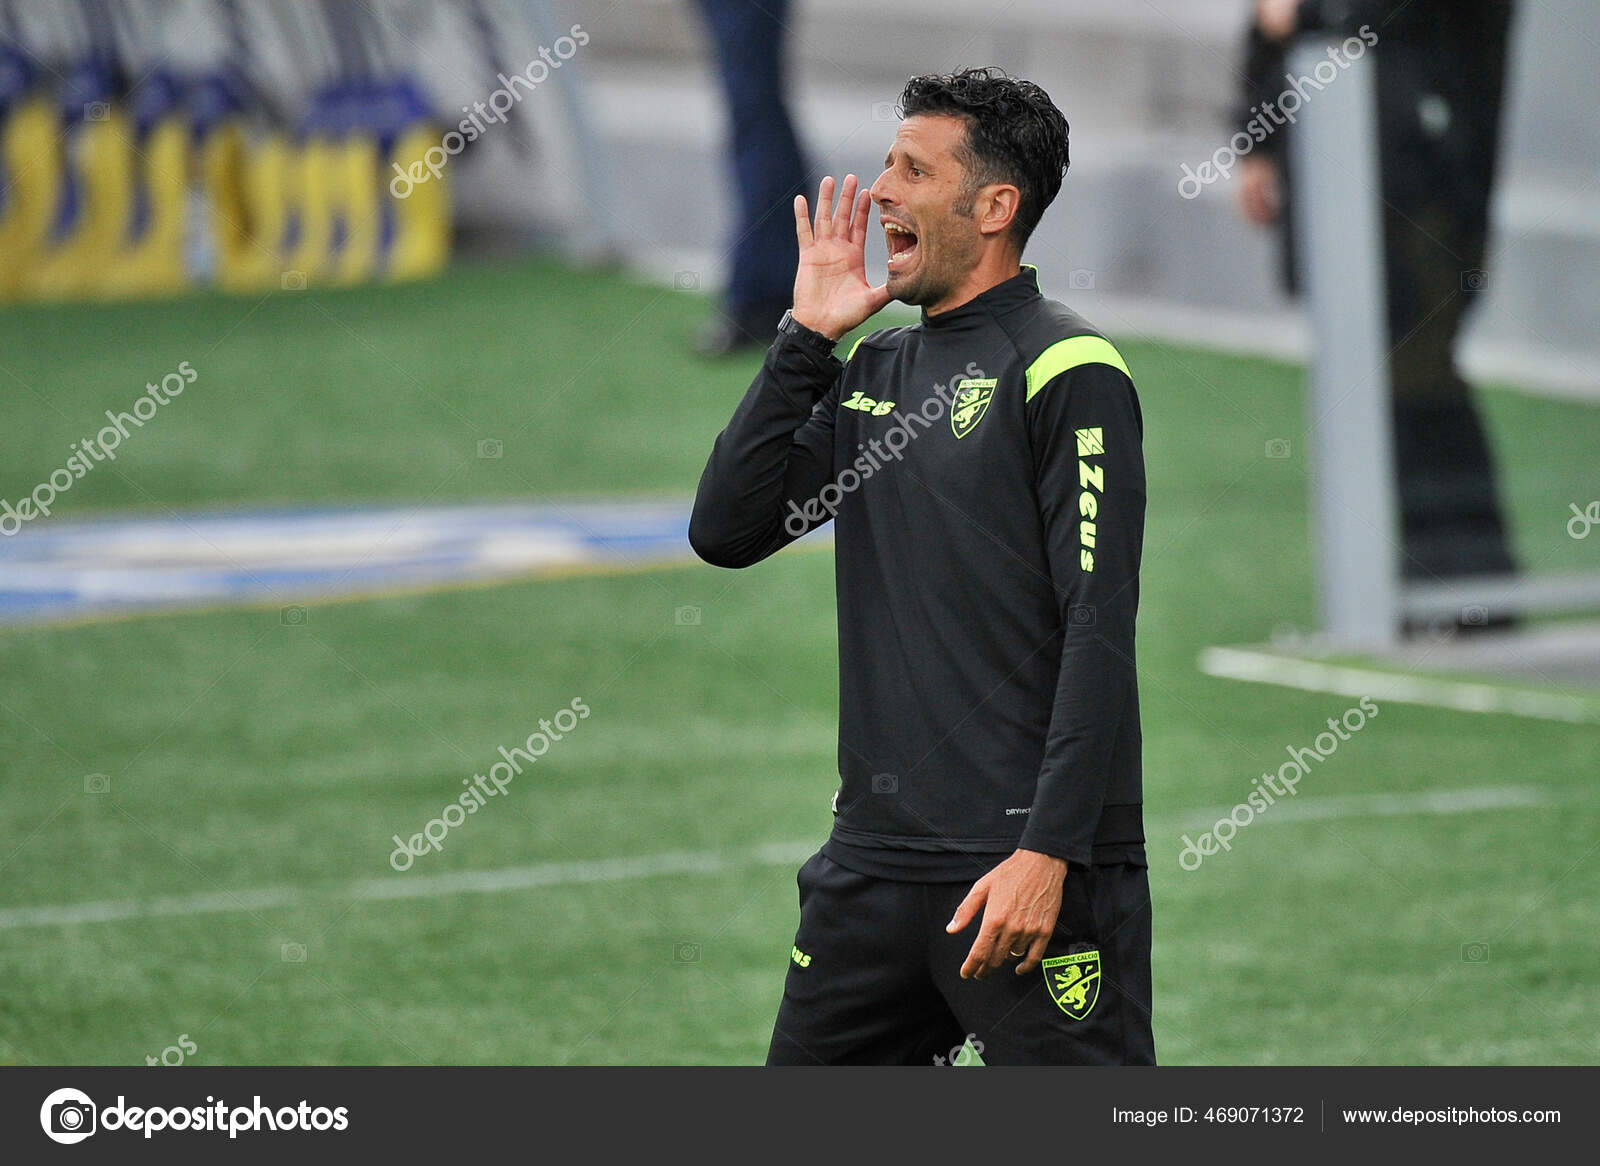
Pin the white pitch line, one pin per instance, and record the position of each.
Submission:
(1342, 680)
(1457, 801)
(605, 870)
(413, 886)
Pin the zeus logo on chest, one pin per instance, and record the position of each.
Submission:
(1092, 487)
(865, 404)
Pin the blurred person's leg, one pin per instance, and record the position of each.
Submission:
(1451, 519)
(1440, 98)
(766, 165)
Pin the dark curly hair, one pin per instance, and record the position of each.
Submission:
(1015, 134)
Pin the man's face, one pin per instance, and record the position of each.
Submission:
(921, 199)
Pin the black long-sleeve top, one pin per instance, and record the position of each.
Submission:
(985, 473)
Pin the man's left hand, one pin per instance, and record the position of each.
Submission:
(1020, 900)
(1278, 19)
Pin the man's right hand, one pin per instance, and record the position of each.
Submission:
(1260, 190)
(831, 292)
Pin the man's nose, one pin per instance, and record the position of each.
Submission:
(880, 189)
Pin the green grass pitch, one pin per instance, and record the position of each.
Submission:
(244, 754)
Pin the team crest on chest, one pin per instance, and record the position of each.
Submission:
(1074, 982)
(970, 403)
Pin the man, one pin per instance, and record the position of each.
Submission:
(1440, 78)
(985, 473)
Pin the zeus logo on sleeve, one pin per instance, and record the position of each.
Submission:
(1092, 483)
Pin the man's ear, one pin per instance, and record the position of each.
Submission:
(996, 207)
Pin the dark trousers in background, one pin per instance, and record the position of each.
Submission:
(1440, 85)
(1450, 515)
(768, 170)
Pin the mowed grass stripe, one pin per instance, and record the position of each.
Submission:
(610, 870)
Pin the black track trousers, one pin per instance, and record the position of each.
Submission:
(874, 979)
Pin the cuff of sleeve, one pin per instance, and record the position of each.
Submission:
(801, 372)
(793, 352)
(790, 342)
(1073, 853)
(810, 337)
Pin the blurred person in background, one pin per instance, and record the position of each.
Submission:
(1440, 77)
(768, 171)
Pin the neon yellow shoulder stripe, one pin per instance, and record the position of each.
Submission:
(855, 346)
(1069, 354)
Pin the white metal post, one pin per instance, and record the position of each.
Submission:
(1339, 236)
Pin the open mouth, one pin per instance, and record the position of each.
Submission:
(902, 243)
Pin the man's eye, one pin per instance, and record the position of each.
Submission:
(916, 171)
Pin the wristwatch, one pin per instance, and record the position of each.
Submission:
(810, 337)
